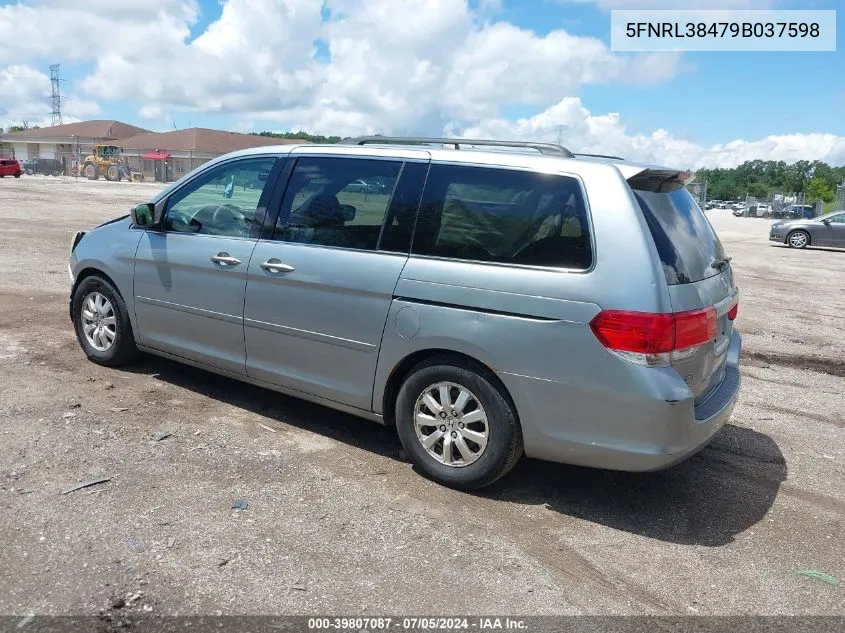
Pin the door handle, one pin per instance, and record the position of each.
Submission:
(225, 259)
(276, 266)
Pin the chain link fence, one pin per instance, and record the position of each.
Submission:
(840, 197)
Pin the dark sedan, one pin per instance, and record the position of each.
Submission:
(827, 230)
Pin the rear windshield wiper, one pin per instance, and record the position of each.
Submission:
(721, 262)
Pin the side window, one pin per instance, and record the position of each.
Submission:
(838, 219)
(505, 216)
(223, 201)
(402, 214)
(337, 202)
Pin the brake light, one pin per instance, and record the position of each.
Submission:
(651, 338)
(694, 328)
(733, 312)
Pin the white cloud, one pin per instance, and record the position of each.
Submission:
(26, 92)
(585, 132)
(394, 66)
(407, 65)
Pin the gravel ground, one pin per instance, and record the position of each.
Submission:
(338, 522)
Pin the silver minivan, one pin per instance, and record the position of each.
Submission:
(490, 299)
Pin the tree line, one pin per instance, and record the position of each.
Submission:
(304, 136)
(762, 178)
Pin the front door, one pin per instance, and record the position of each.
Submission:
(319, 292)
(190, 272)
(831, 234)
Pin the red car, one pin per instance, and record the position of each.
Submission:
(10, 167)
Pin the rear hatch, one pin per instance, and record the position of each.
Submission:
(697, 271)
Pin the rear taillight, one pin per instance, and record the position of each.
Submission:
(653, 338)
(733, 312)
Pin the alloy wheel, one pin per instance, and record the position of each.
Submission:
(451, 424)
(99, 323)
(798, 239)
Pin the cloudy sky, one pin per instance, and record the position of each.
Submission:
(538, 69)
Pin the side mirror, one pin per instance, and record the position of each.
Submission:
(348, 212)
(143, 215)
(826, 222)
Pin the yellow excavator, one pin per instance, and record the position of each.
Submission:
(107, 160)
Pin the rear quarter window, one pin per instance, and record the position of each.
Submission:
(505, 216)
(688, 247)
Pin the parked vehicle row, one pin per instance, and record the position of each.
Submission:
(722, 204)
(493, 304)
(763, 209)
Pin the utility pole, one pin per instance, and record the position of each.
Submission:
(56, 95)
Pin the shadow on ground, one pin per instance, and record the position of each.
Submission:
(707, 500)
(301, 414)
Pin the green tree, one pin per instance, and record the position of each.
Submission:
(304, 136)
(758, 190)
(819, 189)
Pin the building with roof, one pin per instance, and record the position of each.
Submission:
(162, 156)
(167, 156)
(66, 142)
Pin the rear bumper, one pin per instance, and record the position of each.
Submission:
(608, 427)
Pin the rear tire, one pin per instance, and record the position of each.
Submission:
(102, 323)
(17, 174)
(478, 452)
(798, 239)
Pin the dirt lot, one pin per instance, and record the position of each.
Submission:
(337, 520)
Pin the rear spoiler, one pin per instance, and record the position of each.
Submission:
(655, 179)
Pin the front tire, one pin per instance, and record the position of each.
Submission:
(798, 239)
(457, 423)
(102, 324)
(91, 172)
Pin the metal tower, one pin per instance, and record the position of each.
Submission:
(56, 95)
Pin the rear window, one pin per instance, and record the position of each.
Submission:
(505, 216)
(688, 246)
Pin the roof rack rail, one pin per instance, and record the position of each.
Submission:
(601, 156)
(549, 149)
